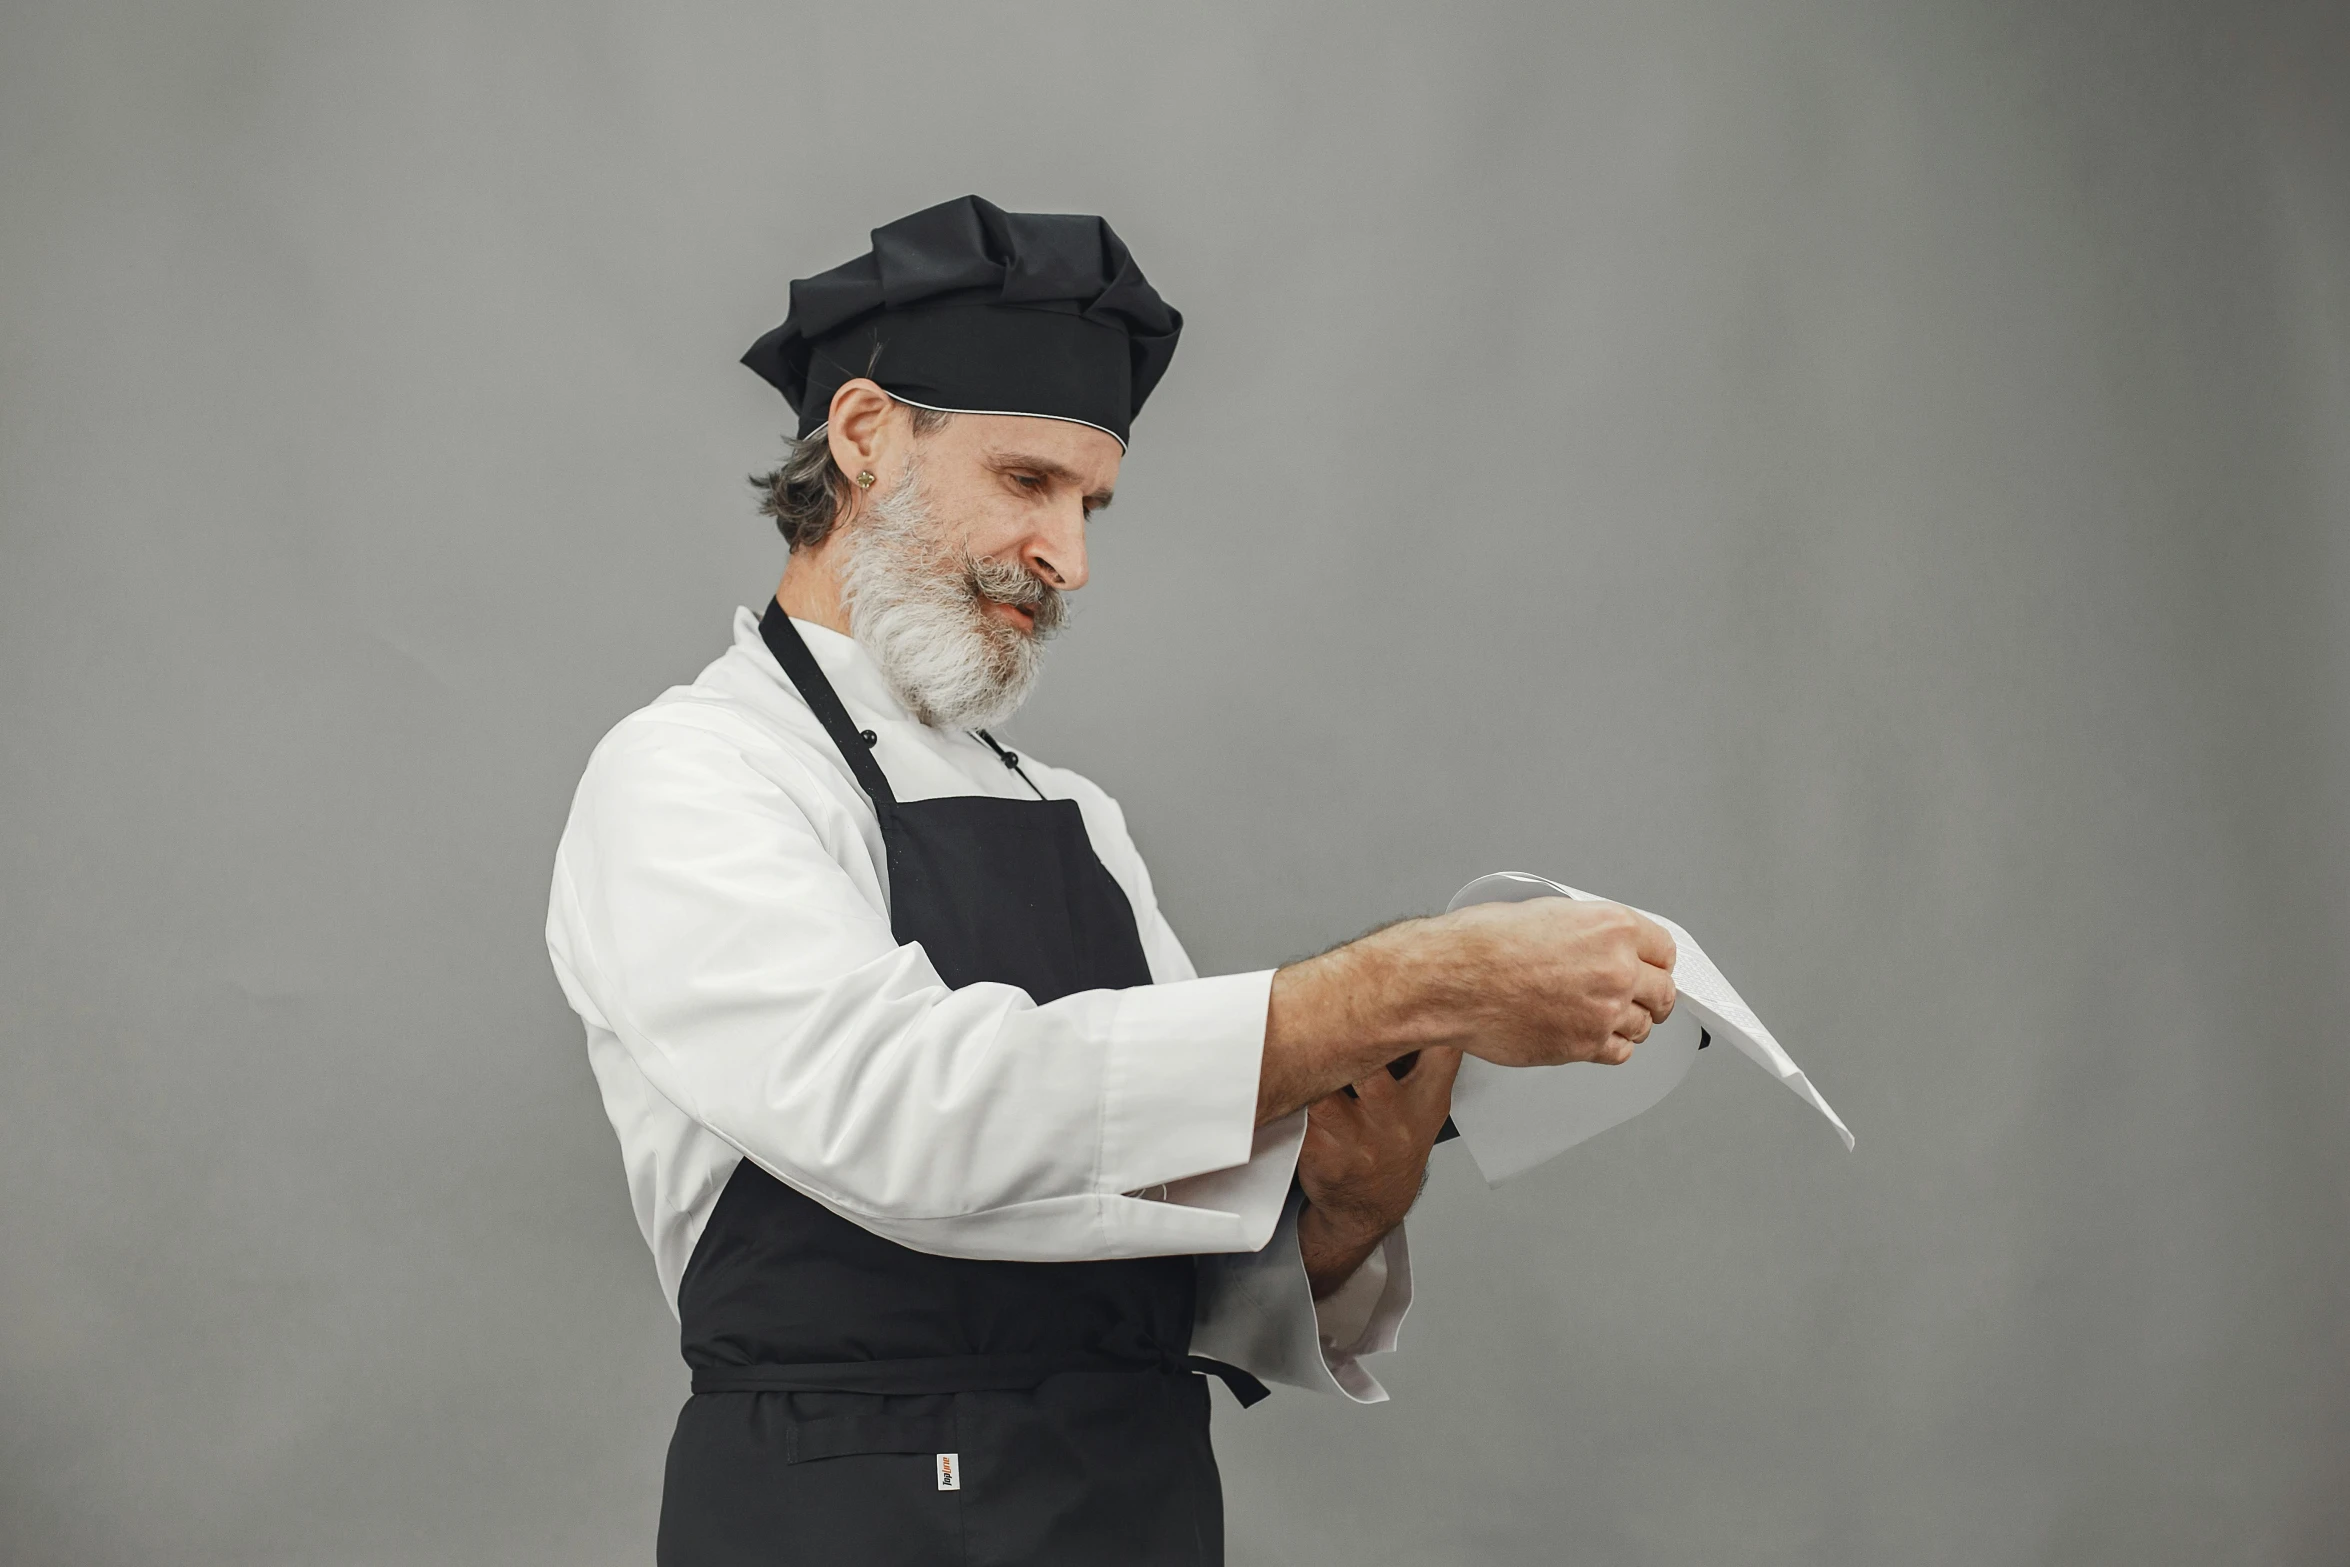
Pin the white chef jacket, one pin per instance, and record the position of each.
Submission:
(720, 922)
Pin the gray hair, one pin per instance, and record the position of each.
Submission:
(809, 493)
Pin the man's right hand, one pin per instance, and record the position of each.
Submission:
(1539, 983)
(1553, 980)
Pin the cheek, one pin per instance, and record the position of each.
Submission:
(981, 518)
(996, 530)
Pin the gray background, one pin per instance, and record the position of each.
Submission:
(1870, 480)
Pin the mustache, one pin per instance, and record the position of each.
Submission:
(1009, 582)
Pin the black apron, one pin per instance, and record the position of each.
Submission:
(863, 1404)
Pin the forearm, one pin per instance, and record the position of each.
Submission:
(1337, 1018)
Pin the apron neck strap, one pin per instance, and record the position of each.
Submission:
(1010, 759)
(855, 745)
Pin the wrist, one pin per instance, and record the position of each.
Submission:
(1333, 1248)
(1336, 1225)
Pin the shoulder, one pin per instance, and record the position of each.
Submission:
(738, 705)
(705, 743)
(685, 723)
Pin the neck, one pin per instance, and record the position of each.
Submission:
(810, 589)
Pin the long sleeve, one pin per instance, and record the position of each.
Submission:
(1257, 1311)
(704, 918)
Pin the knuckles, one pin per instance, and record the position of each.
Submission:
(1621, 973)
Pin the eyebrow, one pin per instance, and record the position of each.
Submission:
(1045, 465)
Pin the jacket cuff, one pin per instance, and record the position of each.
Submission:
(1343, 1316)
(1376, 1322)
(1257, 1311)
(1179, 1087)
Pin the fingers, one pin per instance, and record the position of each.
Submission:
(1433, 1074)
(1334, 1112)
(1654, 992)
(1633, 1025)
(1436, 1063)
(1420, 1099)
(1652, 941)
(1430, 1084)
(1379, 1090)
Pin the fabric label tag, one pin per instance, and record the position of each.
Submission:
(949, 1477)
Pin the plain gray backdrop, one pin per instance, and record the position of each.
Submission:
(1870, 480)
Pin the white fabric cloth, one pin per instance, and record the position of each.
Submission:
(720, 921)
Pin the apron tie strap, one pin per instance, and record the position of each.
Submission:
(959, 1374)
(1247, 1389)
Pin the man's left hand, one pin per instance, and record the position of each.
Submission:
(1364, 1158)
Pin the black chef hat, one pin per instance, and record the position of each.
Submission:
(969, 308)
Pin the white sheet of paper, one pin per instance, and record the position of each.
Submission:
(1514, 1118)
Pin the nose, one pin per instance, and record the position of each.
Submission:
(1056, 550)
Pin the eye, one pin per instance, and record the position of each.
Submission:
(1029, 481)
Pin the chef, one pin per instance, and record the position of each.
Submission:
(961, 1180)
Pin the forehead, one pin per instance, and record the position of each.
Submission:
(1088, 455)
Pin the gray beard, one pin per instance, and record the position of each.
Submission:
(918, 605)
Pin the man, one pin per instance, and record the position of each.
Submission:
(958, 1176)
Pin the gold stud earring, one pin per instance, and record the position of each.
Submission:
(865, 481)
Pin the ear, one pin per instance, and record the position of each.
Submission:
(859, 425)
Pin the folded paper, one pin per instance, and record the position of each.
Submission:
(1514, 1118)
